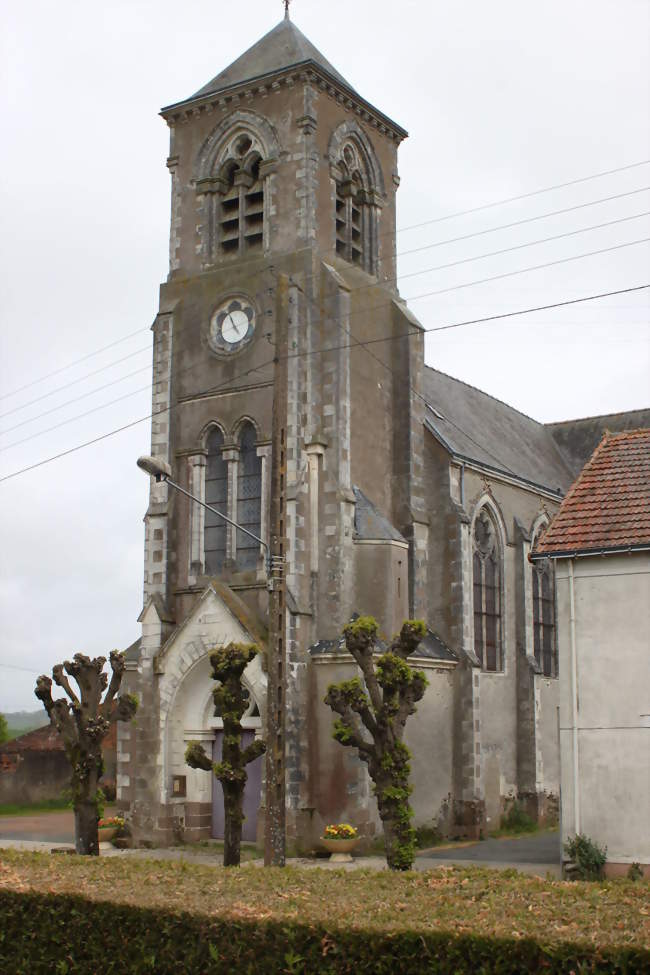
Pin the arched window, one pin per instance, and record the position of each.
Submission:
(241, 209)
(216, 494)
(357, 199)
(487, 592)
(544, 641)
(249, 497)
(350, 210)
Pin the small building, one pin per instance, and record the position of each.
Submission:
(599, 541)
(34, 766)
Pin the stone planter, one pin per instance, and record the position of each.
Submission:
(106, 833)
(340, 850)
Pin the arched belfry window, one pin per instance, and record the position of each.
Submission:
(216, 494)
(544, 636)
(249, 497)
(233, 173)
(350, 212)
(486, 572)
(241, 209)
(359, 195)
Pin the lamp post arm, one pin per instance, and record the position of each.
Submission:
(163, 477)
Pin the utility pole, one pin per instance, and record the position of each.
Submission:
(275, 819)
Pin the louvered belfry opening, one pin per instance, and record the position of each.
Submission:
(241, 210)
(216, 494)
(249, 498)
(349, 220)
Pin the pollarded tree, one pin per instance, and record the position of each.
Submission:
(83, 722)
(228, 665)
(380, 708)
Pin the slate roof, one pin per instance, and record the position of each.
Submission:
(577, 439)
(431, 648)
(608, 507)
(477, 427)
(132, 652)
(283, 47)
(369, 523)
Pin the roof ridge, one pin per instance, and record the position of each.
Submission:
(606, 506)
(489, 395)
(583, 473)
(596, 416)
(619, 434)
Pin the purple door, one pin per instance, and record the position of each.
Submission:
(251, 793)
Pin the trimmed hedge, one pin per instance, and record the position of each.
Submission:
(52, 934)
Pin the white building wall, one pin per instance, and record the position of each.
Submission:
(611, 765)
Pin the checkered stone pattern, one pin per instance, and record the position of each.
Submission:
(156, 560)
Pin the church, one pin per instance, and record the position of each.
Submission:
(407, 493)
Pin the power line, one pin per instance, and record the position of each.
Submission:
(524, 196)
(76, 399)
(450, 216)
(519, 223)
(74, 382)
(537, 267)
(27, 670)
(518, 247)
(359, 287)
(81, 379)
(76, 362)
(418, 331)
(78, 416)
(365, 311)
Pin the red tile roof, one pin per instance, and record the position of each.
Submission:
(45, 739)
(608, 506)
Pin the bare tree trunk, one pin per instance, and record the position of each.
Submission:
(228, 665)
(233, 801)
(83, 722)
(381, 708)
(85, 828)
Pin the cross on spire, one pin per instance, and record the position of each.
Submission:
(286, 9)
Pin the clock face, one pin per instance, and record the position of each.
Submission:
(232, 325)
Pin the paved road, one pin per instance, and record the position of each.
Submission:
(529, 848)
(51, 827)
(537, 853)
(48, 827)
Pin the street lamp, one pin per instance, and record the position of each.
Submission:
(161, 470)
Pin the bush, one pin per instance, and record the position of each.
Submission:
(66, 934)
(635, 871)
(516, 820)
(588, 857)
(427, 836)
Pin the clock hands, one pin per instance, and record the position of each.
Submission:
(233, 323)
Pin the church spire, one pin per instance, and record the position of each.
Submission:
(286, 9)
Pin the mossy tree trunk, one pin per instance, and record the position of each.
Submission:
(372, 719)
(228, 665)
(83, 722)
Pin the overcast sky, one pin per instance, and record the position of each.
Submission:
(499, 99)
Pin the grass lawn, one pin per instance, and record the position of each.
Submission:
(462, 901)
(33, 808)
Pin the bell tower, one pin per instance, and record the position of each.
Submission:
(282, 173)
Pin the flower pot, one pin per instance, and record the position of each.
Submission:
(106, 833)
(340, 850)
